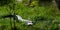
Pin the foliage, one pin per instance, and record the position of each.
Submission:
(5, 2)
(44, 17)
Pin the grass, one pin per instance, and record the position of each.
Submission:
(48, 14)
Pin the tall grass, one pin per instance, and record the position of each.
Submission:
(45, 17)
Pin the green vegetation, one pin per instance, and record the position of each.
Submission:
(45, 17)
